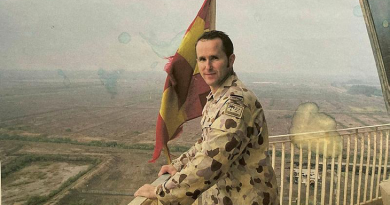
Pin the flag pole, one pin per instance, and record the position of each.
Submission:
(212, 14)
(167, 153)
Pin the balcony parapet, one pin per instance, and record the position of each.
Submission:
(145, 201)
(307, 176)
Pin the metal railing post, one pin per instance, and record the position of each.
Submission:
(339, 177)
(354, 168)
(273, 156)
(379, 164)
(308, 182)
(373, 169)
(367, 167)
(347, 170)
(316, 173)
(332, 175)
(291, 173)
(360, 167)
(282, 172)
(324, 168)
(300, 175)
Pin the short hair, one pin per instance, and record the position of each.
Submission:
(227, 44)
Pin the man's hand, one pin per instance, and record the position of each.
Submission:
(147, 191)
(170, 169)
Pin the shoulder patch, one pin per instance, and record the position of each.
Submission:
(234, 110)
(236, 97)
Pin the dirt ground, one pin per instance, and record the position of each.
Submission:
(123, 172)
(84, 111)
(45, 175)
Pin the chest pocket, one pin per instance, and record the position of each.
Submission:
(212, 112)
(232, 106)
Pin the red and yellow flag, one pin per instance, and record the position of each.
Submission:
(185, 90)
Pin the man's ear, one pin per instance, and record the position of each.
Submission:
(231, 60)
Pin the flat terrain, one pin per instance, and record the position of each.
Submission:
(45, 111)
(51, 175)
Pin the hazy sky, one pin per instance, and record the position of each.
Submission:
(270, 36)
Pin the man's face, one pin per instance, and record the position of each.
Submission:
(214, 65)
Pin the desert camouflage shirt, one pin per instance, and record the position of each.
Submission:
(229, 164)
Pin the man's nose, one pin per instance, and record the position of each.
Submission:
(208, 65)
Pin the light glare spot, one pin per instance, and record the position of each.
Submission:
(124, 38)
(357, 11)
(385, 23)
(154, 64)
(257, 17)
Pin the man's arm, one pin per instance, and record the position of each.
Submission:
(148, 190)
(222, 146)
(178, 164)
(183, 159)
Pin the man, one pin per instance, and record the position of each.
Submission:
(230, 163)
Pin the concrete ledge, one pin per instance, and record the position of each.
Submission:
(385, 192)
(374, 202)
(144, 201)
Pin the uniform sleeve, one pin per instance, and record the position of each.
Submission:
(222, 146)
(183, 159)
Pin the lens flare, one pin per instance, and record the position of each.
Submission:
(357, 11)
(124, 38)
(320, 128)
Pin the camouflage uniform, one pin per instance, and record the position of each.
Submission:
(230, 160)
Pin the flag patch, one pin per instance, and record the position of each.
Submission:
(234, 110)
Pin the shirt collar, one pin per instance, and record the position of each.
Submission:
(223, 88)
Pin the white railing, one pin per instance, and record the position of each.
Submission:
(307, 177)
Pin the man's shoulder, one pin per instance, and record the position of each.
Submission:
(238, 89)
